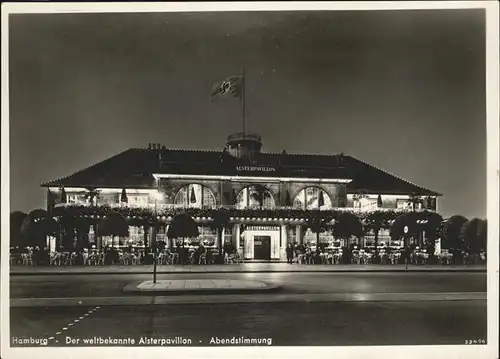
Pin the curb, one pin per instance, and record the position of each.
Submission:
(131, 288)
(260, 271)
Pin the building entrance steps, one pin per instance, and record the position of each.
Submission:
(199, 286)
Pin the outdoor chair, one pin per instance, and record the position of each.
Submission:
(233, 258)
(72, 258)
(101, 258)
(123, 259)
(203, 259)
(85, 257)
(161, 258)
(27, 259)
(54, 259)
(93, 259)
(238, 258)
(65, 259)
(136, 259)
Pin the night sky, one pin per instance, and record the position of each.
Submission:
(402, 90)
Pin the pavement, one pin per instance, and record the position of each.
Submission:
(243, 268)
(199, 286)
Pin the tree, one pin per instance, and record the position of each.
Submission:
(432, 227)
(377, 220)
(114, 225)
(16, 221)
(182, 226)
(37, 225)
(68, 224)
(473, 234)
(221, 220)
(405, 226)
(483, 236)
(347, 225)
(123, 197)
(64, 198)
(319, 222)
(451, 229)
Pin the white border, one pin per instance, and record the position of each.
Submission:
(489, 351)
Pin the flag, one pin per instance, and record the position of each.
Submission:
(232, 86)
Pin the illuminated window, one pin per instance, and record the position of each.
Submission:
(137, 200)
(195, 195)
(255, 197)
(75, 199)
(312, 198)
(402, 204)
(365, 203)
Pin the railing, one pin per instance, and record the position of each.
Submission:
(244, 136)
(164, 206)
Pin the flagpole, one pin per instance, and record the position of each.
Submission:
(243, 107)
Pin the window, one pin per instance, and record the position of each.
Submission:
(74, 199)
(195, 195)
(365, 203)
(255, 196)
(137, 200)
(402, 204)
(110, 199)
(312, 198)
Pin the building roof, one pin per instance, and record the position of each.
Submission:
(134, 168)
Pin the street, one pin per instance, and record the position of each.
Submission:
(286, 323)
(54, 286)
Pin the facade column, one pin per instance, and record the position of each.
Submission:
(223, 237)
(167, 240)
(299, 233)
(150, 237)
(236, 234)
(284, 241)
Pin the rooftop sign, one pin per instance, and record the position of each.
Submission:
(255, 169)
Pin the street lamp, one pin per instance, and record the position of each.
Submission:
(157, 195)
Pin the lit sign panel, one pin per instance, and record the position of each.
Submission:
(255, 169)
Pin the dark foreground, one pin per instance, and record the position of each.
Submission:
(285, 324)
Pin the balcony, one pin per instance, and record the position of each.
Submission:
(240, 136)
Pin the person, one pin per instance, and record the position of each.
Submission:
(289, 254)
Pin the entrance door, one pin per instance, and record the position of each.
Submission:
(262, 247)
